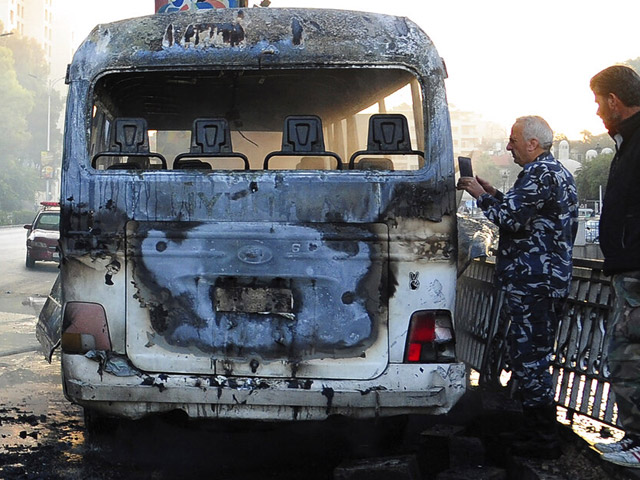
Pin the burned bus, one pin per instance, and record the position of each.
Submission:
(257, 219)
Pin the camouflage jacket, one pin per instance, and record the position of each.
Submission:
(538, 222)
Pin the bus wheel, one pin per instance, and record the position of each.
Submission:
(98, 424)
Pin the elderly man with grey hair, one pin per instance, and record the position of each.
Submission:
(537, 220)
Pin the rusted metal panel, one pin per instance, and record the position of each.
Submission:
(264, 300)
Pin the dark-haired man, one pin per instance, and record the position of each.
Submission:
(617, 93)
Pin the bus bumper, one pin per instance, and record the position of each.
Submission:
(401, 389)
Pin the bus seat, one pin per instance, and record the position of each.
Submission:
(125, 166)
(368, 163)
(301, 136)
(210, 138)
(388, 135)
(130, 138)
(192, 164)
(314, 163)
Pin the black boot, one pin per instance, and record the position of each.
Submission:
(522, 429)
(544, 441)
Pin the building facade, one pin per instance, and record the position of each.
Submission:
(42, 21)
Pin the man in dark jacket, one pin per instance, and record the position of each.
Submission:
(617, 92)
(537, 219)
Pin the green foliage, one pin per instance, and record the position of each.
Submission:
(500, 176)
(635, 64)
(32, 73)
(593, 174)
(23, 122)
(20, 217)
(17, 185)
(17, 103)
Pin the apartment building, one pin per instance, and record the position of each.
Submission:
(29, 18)
(44, 22)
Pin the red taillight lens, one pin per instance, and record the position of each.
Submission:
(84, 328)
(430, 337)
(422, 330)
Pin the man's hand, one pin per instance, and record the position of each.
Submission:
(490, 189)
(473, 185)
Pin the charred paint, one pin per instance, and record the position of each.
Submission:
(229, 315)
(378, 388)
(203, 35)
(328, 392)
(112, 269)
(296, 31)
(173, 231)
(297, 383)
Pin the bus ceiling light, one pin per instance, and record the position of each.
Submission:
(430, 337)
(84, 328)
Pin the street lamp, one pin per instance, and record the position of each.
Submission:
(50, 85)
(505, 179)
(49, 90)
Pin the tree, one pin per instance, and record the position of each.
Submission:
(594, 173)
(32, 72)
(23, 120)
(17, 186)
(635, 64)
(591, 176)
(493, 169)
(587, 136)
(17, 103)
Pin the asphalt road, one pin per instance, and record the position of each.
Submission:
(17, 283)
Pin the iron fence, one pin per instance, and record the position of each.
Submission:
(579, 365)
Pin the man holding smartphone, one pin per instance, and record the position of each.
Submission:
(538, 222)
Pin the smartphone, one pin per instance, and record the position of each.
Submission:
(464, 165)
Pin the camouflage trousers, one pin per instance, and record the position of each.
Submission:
(530, 339)
(624, 349)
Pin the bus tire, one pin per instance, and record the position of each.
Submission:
(98, 424)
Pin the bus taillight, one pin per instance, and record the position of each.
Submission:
(430, 337)
(84, 328)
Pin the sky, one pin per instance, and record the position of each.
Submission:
(505, 58)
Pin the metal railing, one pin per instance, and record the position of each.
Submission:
(579, 366)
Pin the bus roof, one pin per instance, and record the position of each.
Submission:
(258, 38)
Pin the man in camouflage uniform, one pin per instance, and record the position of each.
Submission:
(537, 219)
(617, 93)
